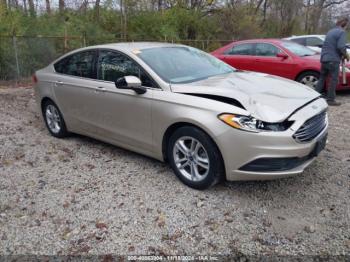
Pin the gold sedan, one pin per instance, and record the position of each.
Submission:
(178, 104)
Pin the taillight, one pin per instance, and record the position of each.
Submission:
(34, 79)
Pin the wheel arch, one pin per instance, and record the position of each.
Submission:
(305, 71)
(63, 131)
(44, 100)
(173, 127)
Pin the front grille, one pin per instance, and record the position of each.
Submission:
(311, 128)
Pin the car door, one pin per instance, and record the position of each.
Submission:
(124, 115)
(75, 91)
(240, 56)
(266, 61)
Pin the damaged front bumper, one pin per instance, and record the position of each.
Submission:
(269, 155)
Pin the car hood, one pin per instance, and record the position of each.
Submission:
(266, 97)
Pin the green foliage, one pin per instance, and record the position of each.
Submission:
(200, 26)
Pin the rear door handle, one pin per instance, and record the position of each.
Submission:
(100, 89)
(58, 83)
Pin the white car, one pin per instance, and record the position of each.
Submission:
(314, 42)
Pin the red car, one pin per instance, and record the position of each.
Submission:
(277, 57)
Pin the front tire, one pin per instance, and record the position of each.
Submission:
(309, 78)
(54, 120)
(195, 158)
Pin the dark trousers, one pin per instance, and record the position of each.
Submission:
(329, 69)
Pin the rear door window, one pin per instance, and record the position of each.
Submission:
(81, 64)
(242, 49)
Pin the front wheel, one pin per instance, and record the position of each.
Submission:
(309, 78)
(195, 158)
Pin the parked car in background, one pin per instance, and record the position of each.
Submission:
(314, 42)
(181, 105)
(277, 57)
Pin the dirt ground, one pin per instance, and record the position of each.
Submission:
(81, 196)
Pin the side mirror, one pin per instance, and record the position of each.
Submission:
(282, 55)
(130, 82)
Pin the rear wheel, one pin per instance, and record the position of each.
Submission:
(195, 158)
(54, 120)
(309, 78)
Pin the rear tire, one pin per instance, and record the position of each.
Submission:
(309, 78)
(54, 120)
(195, 158)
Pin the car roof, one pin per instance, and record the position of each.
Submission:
(126, 47)
(266, 40)
(303, 36)
(131, 46)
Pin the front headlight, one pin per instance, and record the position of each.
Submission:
(251, 124)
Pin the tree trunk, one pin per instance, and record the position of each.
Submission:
(317, 12)
(31, 7)
(97, 10)
(15, 3)
(61, 6)
(48, 7)
(121, 19)
(3, 5)
(264, 13)
(125, 21)
(25, 7)
(12, 4)
(306, 27)
(84, 6)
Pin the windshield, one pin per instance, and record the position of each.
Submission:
(183, 64)
(322, 37)
(297, 49)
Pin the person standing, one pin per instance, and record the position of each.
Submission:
(333, 51)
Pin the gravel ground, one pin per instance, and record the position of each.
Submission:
(81, 196)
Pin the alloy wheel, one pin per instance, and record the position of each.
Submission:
(191, 158)
(310, 81)
(53, 119)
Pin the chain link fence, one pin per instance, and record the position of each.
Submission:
(21, 56)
